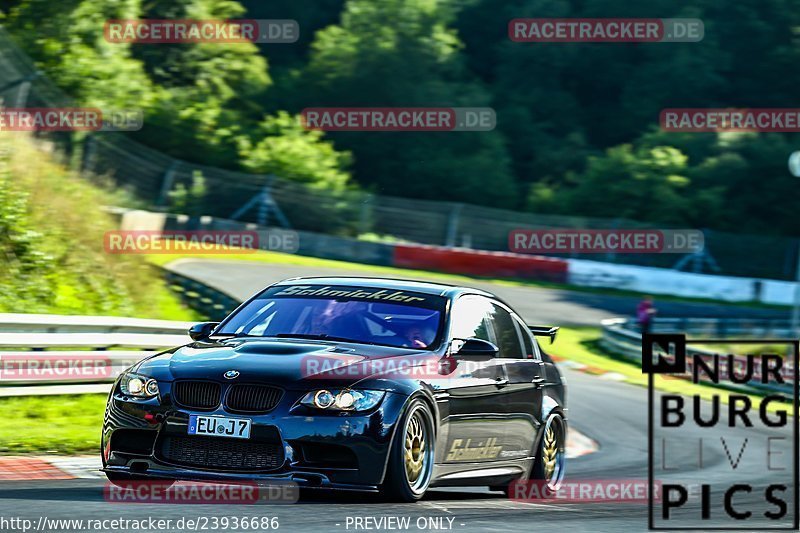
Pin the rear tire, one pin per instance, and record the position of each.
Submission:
(411, 457)
(550, 464)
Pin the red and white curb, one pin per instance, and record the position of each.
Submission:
(78, 467)
(579, 444)
(580, 367)
(32, 468)
(35, 468)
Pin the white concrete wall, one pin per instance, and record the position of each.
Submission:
(142, 221)
(665, 281)
(778, 292)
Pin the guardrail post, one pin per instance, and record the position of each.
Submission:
(89, 152)
(166, 183)
(365, 214)
(452, 225)
(22, 94)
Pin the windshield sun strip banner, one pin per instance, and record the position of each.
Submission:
(369, 294)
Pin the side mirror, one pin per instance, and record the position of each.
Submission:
(202, 330)
(477, 349)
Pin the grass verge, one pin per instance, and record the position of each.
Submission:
(64, 425)
(52, 253)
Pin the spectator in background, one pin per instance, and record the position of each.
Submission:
(644, 314)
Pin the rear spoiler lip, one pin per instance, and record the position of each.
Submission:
(545, 331)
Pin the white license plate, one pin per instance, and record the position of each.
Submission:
(220, 426)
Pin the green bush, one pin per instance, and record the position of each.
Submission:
(52, 255)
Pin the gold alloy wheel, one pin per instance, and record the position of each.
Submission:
(415, 454)
(550, 453)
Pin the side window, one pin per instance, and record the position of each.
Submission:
(506, 332)
(470, 318)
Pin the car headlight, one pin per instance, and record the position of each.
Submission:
(343, 399)
(138, 386)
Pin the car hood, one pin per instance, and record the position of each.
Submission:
(286, 363)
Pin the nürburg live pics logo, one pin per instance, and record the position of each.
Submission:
(723, 432)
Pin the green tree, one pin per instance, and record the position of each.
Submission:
(311, 16)
(189, 200)
(67, 42)
(196, 98)
(635, 184)
(401, 53)
(283, 147)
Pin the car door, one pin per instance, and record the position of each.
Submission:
(524, 371)
(477, 410)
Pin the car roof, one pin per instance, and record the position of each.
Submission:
(425, 287)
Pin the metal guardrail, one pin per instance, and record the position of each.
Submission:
(47, 354)
(32, 323)
(619, 339)
(721, 328)
(48, 350)
(83, 340)
(623, 338)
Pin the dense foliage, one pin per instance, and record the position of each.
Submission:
(577, 128)
(52, 258)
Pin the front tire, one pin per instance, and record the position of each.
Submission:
(411, 457)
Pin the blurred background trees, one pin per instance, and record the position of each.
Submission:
(577, 129)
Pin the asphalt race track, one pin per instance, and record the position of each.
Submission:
(612, 413)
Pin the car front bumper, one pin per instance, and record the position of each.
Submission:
(290, 443)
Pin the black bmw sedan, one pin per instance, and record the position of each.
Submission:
(347, 383)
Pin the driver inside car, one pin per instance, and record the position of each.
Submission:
(419, 336)
(341, 319)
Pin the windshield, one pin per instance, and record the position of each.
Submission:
(385, 317)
